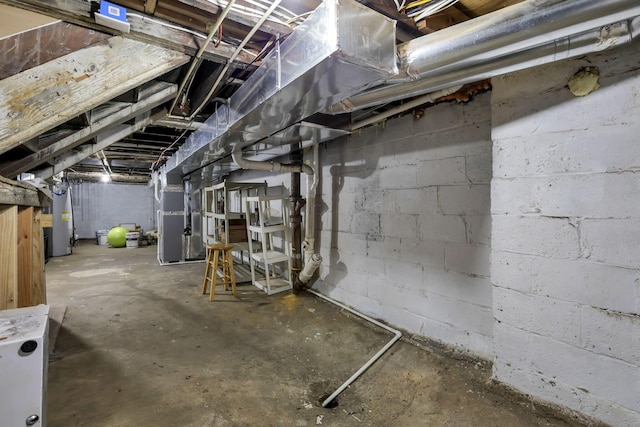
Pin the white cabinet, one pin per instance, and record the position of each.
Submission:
(24, 356)
(270, 226)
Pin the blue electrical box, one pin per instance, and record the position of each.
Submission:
(112, 16)
(113, 11)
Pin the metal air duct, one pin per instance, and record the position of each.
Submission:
(527, 34)
(339, 49)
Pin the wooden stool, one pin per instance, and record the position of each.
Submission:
(226, 266)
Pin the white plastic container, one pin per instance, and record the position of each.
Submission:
(132, 239)
(24, 358)
(101, 237)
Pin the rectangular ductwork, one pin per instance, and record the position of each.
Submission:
(339, 49)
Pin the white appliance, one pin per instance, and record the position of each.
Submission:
(24, 355)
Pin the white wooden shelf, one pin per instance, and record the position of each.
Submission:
(270, 225)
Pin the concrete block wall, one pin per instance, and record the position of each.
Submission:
(404, 225)
(404, 222)
(565, 262)
(100, 206)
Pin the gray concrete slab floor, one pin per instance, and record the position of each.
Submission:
(140, 345)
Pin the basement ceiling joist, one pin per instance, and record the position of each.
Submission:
(81, 13)
(43, 48)
(46, 96)
(103, 141)
(155, 95)
(42, 44)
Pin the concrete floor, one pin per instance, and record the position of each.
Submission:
(140, 345)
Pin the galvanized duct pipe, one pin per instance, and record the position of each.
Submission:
(512, 29)
(475, 50)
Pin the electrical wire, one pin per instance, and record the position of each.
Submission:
(414, 4)
(179, 28)
(168, 148)
(248, 11)
(431, 9)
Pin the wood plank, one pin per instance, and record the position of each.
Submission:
(46, 96)
(103, 141)
(150, 6)
(39, 285)
(15, 193)
(31, 48)
(448, 17)
(158, 93)
(79, 12)
(8, 257)
(475, 8)
(25, 259)
(46, 220)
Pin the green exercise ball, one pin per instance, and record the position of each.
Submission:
(117, 237)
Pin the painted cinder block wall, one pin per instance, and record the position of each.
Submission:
(404, 222)
(100, 206)
(565, 265)
(407, 229)
(405, 225)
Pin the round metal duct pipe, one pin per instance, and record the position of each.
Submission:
(505, 31)
(524, 35)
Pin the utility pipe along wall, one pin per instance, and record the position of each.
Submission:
(522, 36)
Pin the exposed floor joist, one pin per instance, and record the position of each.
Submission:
(158, 94)
(80, 12)
(31, 48)
(46, 96)
(103, 140)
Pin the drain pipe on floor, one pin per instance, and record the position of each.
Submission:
(371, 361)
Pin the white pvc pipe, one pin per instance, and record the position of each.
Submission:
(243, 163)
(309, 227)
(371, 361)
(312, 263)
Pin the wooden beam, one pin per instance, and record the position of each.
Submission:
(104, 140)
(25, 259)
(46, 96)
(160, 93)
(446, 18)
(8, 257)
(115, 177)
(80, 12)
(42, 44)
(46, 220)
(150, 6)
(15, 193)
(39, 284)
